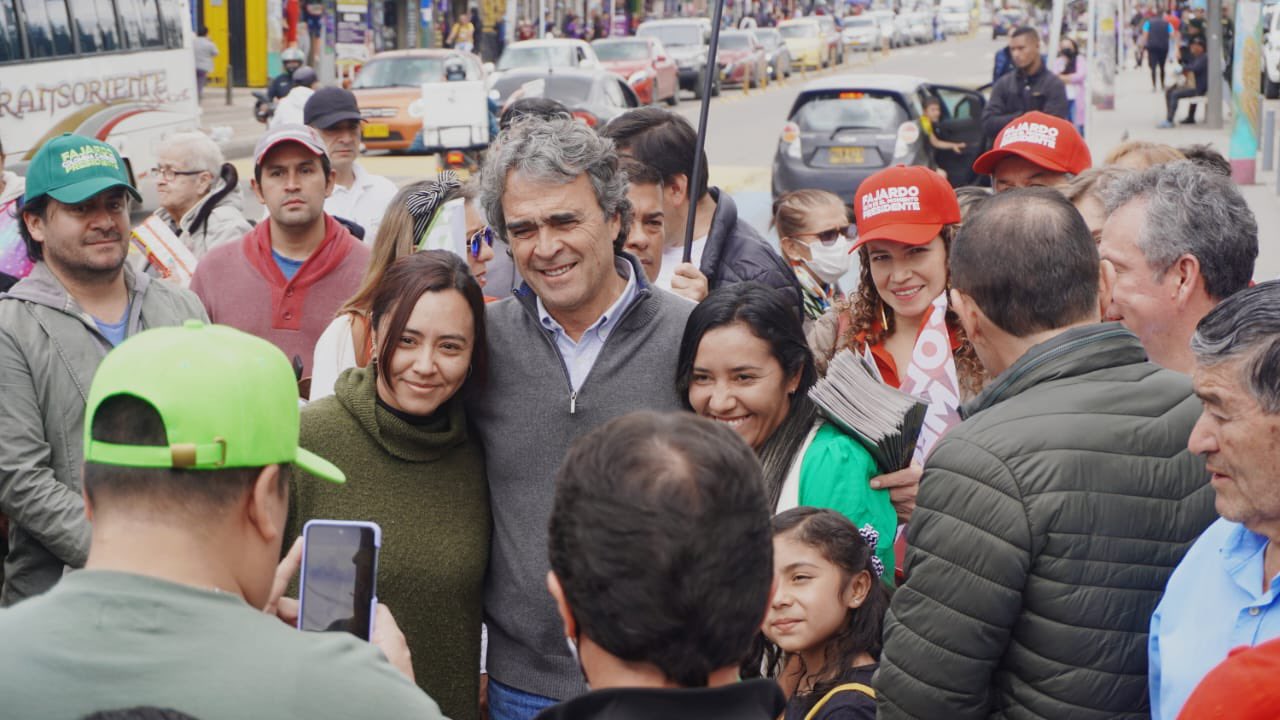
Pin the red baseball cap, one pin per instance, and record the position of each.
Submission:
(1048, 141)
(906, 204)
(288, 133)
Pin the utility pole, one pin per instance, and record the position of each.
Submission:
(1213, 113)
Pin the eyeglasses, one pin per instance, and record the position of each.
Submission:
(483, 235)
(829, 237)
(169, 173)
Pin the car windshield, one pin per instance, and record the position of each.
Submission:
(828, 112)
(769, 40)
(735, 42)
(674, 35)
(621, 50)
(859, 22)
(399, 72)
(536, 56)
(799, 30)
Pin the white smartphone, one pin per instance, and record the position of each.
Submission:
(338, 587)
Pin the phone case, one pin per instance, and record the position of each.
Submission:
(377, 544)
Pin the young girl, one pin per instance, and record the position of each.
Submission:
(826, 616)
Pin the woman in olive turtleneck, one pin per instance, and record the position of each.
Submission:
(398, 430)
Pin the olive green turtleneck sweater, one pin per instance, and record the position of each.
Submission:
(425, 486)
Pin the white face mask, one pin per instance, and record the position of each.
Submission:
(831, 262)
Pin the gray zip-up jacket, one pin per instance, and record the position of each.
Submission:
(49, 350)
(528, 416)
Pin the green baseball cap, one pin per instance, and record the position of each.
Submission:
(227, 399)
(73, 168)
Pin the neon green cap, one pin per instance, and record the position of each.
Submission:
(227, 399)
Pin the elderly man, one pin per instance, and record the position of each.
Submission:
(585, 339)
(1182, 239)
(80, 300)
(1031, 86)
(1034, 150)
(1223, 593)
(1048, 520)
(707, 557)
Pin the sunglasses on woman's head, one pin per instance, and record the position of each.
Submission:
(482, 236)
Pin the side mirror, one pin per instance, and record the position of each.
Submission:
(487, 67)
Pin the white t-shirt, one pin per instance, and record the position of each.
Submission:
(335, 351)
(289, 111)
(364, 202)
(673, 256)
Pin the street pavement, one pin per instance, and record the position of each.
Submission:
(743, 128)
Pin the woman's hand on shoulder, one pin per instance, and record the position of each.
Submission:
(903, 486)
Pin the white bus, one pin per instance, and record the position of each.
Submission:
(118, 70)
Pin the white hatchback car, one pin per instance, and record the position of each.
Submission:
(1271, 51)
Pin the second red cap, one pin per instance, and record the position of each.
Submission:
(1046, 140)
(904, 204)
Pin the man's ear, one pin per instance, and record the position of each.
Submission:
(330, 182)
(562, 605)
(676, 190)
(1106, 285)
(968, 313)
(1187, 278)
(88, 504)
(257, 191)
(35, 225)
(264, 504)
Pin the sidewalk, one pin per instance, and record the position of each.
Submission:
(242, 129)
(1138, 111)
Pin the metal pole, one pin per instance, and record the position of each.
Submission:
(542, 18)
(1213, 113)
(712, 70)
(1269, 141)
(228, 82)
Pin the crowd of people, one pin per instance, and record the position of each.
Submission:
(603, 486)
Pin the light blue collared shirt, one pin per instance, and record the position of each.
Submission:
(579, 357)
(1213, 603)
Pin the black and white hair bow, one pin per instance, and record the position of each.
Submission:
(871, 537)
(422, 204)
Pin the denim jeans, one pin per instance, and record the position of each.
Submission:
(508, 703)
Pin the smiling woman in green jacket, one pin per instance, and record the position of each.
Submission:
(398, 430)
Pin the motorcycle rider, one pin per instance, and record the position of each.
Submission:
(281, 84)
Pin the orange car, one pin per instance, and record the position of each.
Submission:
(389, 82)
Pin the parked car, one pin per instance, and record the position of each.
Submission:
(902, 30)
(860, 32)
(831, 34)
(884, 19)
(1005, 21)
(593, 96)
(1271, 51)
(803, 37)
(842, 129)
(389, 83)
(921, 27)
(687, 41)
(955, 18)
(643, 62)
(775, 52)
(742, 58)
(548, 53)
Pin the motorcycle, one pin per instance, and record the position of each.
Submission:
(263, 106)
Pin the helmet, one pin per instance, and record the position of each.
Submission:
(455, 69)
(292, 55)
(305, 76)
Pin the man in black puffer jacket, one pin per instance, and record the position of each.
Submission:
(1049, 520)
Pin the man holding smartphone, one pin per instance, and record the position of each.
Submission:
(191, 435)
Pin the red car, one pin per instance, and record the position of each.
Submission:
(644, 64)
(742, 58)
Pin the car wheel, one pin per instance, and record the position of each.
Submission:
(674, 100)
(697, 86)
(1270, 89)
(715, 88)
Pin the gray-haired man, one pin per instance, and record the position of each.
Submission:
(584, 340)
(1223, 593)
(1181, 239)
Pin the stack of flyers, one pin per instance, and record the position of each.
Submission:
(167, 255)
(884, 419)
